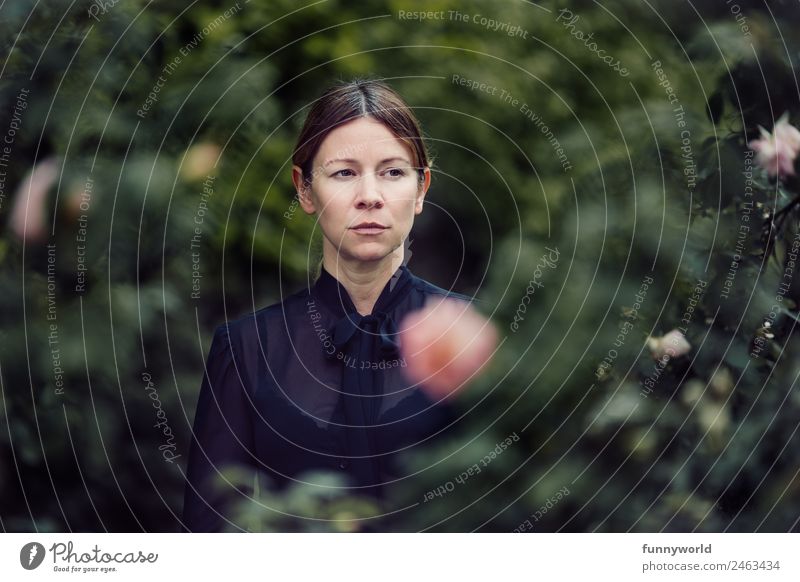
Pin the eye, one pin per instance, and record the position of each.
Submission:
(339, 173)
(399, 172)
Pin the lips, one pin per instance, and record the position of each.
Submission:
(369, 225)
(369, 228)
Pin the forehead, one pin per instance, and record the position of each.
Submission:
(363, 139)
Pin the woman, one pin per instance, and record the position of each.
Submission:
(317, 381)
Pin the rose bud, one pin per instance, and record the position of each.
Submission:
(673, 344)
(199, 160)
(776, 152)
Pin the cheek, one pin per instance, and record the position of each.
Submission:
(333, 207)
(404, 203)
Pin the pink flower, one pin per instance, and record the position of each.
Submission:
(673, 344)
(777, 151)
(445, 344)
(786, 133)
(27, 218)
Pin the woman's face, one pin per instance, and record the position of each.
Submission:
(362, 174)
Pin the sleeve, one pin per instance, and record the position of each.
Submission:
(423, 417)
(444, 412)
(222, 439)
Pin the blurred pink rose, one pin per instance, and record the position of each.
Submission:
(27, 218)
(445, 344)
(776, 152)
(673, 344)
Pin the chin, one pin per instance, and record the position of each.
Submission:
(371, 253)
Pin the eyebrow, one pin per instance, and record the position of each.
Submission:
(352, 161)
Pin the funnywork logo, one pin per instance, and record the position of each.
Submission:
(31, 555)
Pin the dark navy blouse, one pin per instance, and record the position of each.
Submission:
(309, 384)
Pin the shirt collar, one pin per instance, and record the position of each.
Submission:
(330, 291)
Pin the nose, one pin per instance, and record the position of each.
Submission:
(368, 194)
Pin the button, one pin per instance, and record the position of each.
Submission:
(343, 464)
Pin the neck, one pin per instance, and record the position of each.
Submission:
(363, 280)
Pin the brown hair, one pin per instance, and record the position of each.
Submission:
(350, 100)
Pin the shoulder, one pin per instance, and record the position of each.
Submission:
(254, 325)
(429, 289)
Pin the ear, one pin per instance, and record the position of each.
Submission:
(303, 191)
(423, 189)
